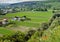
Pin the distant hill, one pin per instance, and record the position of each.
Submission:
(54, 0)
(31, 4)
(23, 4)
(3, 5)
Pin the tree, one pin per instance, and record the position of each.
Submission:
(44, 26)
(46, 9)
(16, 37)
(0, 11)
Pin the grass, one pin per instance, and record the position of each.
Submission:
(5, 31)
(52, 34)
(36, 19)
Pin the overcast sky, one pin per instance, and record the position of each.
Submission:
(15, 1)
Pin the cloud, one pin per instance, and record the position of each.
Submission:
(15, 1)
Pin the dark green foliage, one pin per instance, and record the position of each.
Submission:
(53, 17)
(29, 34)
(41, 9)
(46, 9)
(1, 23)
(0, 11)
(53, 11)
(44, 26)
(17, 37)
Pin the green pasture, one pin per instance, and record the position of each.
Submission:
(5, 31)
(36, 17)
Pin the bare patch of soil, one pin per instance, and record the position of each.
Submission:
(22, 28)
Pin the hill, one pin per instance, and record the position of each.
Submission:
(31, 4)
(49, 35)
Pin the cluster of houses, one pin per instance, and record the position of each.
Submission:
(19, 18)
(4, 22)
(4, 11)
(23, 18)
(16, 18)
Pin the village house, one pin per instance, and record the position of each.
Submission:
(16, 18)
(19, 18)
(5, 21)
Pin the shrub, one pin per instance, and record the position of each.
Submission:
(17, 37)
(29, 34)
(44, 26)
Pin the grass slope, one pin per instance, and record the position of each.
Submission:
(52, 34)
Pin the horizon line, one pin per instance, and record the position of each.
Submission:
(19, 1)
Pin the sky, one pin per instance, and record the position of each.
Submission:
(15, 1)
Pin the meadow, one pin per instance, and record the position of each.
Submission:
(37, 17)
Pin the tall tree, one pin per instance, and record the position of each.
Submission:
(0, 11)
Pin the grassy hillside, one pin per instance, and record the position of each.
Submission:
(37, 18)
(4, 31)
(52, 34)
(44, 26)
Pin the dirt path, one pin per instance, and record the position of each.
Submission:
(22, 28)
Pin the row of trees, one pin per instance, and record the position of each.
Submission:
(30, 9)
(23, 9)
(0, 11)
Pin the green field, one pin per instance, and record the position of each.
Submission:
(5, 31)
(36, 19)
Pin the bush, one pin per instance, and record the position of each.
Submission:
(29, 34)
(44, 26)
(17, 37)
